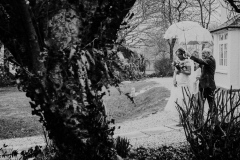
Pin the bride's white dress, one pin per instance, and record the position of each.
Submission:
(185, 81)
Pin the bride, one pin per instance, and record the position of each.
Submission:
(181, 78)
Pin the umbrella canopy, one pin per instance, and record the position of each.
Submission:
(188, 31)
(176, 29)
(193, 43)
(197, 34)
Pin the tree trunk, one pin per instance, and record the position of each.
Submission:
(31, 34)
(171, 46)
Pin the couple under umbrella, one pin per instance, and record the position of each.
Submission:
(190, 72)
(192, 77)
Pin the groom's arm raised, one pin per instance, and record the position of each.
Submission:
(199, 61)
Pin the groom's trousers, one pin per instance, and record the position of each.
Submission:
(208, 94)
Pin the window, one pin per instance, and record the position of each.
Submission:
(220, 37)
(225, 36)
(225, 55)
(221, 55)
(223, 49)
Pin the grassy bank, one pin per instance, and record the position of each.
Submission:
(121, 108)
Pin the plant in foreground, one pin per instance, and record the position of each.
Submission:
(163, 152)
(215, 135)
(122, 146)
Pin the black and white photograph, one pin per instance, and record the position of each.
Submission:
(119, 79)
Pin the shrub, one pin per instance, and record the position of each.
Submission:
(163, 67)
(36, 153)
(7, 153)
(122, 146)
(216, 136)
(163, 152)
(135, 68)
(154, 75)
(47, 152)
(6, 79)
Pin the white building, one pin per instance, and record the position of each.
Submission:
(226, 52)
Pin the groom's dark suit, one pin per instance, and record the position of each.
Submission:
(206, 83)
(208, 71)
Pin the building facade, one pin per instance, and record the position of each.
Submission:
(226, 52)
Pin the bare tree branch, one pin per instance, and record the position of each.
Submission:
(234, 4)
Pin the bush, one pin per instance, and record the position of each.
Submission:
(134, 68)
(122, 146)
(6, 79)
(47, 152)
(153, 75)
(131, 73)
(217, 134)
(163, 67)
(162, 153)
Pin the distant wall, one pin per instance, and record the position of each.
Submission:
(234, 58)
(221, 76)
(230, 75)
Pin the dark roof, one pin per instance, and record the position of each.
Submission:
(231, 23)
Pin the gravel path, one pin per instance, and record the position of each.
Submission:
(154, 120)
(22, 143)
(175, 137)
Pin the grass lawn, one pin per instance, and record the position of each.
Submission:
(16, 119)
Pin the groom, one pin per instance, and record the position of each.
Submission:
(207, 84)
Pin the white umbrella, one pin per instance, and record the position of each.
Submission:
(197, 34)
(187, 31)
(176, 29)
